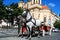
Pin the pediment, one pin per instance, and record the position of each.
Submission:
(35, 6)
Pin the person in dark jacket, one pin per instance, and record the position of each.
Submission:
(19, 22)
(0, 23)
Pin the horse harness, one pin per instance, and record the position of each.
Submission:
(30, 18)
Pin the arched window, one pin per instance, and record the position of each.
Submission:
(44, 19)
(49, 21)
(38, 1)
(33, 15)
(38, 16)
(34, 1)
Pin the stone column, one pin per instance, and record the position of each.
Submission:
(40, 2)
(35, 1)
(32, 1)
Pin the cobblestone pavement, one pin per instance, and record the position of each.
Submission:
(11, 34)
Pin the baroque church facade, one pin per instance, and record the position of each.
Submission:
(43, 13)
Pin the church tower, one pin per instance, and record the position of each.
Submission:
(37, 1)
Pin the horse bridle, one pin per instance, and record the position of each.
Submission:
(30, 18)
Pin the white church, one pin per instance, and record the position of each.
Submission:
(43, 13)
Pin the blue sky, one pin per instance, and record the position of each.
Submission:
(54, 5)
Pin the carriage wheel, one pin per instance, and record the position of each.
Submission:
(33, 30)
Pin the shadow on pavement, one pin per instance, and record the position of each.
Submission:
(5, 36)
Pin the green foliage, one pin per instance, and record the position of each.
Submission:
(14, 5)
(1, 1)
(17, 11)
(57, 24)
(2, 11)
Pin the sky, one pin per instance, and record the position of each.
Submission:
(54, 5)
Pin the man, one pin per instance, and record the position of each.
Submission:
(18, 22)
(0, 23)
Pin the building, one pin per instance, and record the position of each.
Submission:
(43, 13)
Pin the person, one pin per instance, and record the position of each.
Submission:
(14, 21)
(19, 22)
(18, 25)
(0, 23)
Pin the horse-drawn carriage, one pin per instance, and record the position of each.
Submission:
(32, 26)
(43, 29)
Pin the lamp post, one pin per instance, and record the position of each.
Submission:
(9, 14)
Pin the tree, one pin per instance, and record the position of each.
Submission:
(57, 24)
(59, 15)
(17, 11)
(14, 5)
(1, 2)
(1, 9)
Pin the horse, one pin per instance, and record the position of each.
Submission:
(30, 22)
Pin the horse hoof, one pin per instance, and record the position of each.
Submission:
(49, 34)
(43, 35)
(18, 35)
(21, 36)
(27, 37)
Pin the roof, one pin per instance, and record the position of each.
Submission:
(44, 7)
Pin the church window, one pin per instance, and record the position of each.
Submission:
(34, 1)
(38, 16)
(49, 21)
(33, 15)
(44, 19)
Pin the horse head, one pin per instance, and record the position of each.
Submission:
(24, 14)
